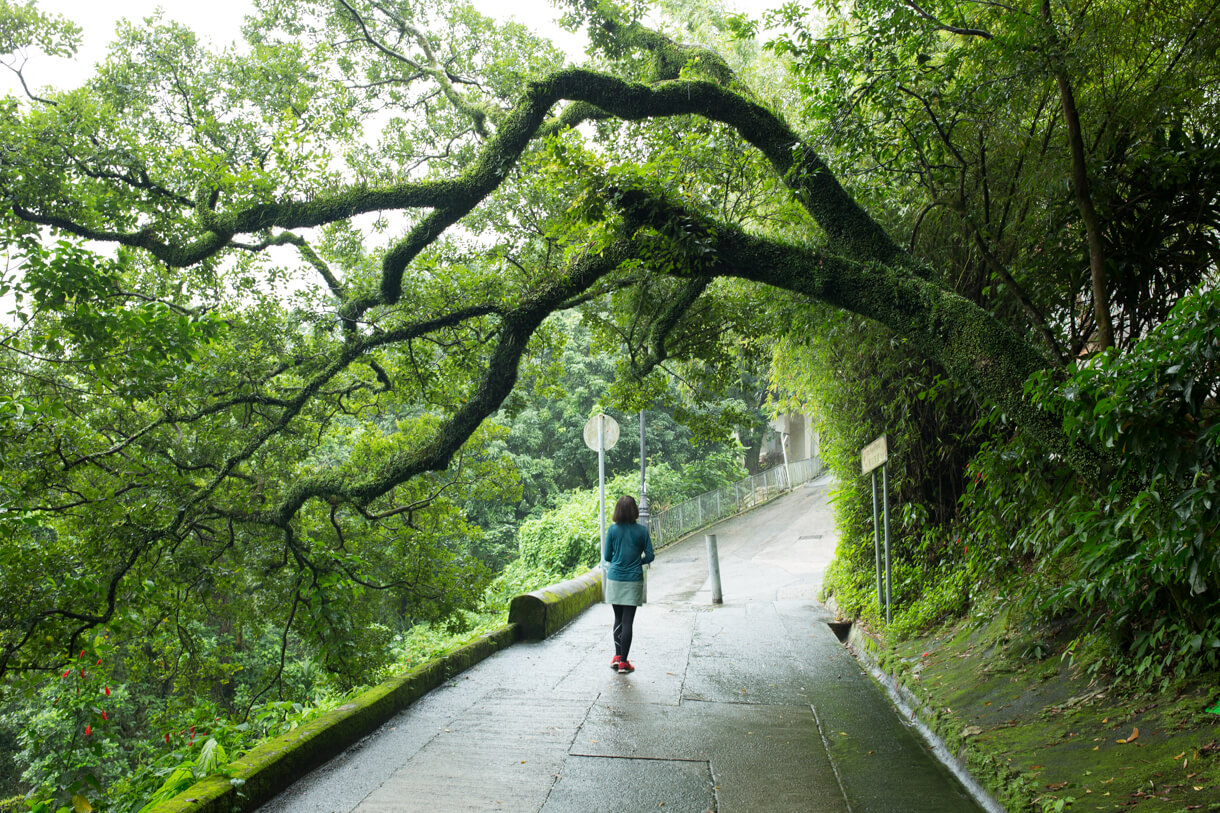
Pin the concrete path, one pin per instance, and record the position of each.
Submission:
(748, 706)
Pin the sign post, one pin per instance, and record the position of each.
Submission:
(871, 456)
(783, 447)
(601, 433)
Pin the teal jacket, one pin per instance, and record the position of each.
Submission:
(626, 548)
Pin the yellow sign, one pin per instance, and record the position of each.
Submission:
(873, 455)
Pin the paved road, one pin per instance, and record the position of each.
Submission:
(748, 706)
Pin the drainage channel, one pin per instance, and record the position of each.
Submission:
(906, 704)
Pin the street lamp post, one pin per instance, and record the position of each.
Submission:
(643, 475)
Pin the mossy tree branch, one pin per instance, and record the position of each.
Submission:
(965, 339)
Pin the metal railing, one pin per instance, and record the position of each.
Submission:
(673, 523)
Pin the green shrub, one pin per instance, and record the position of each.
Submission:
(564, 537)
(861, 381)
(1139, 558)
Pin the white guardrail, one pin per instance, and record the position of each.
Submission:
(679, 520)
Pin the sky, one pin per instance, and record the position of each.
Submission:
(220, 21)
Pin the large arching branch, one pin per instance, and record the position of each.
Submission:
(966, 340)
(850, 228)
(517, 327)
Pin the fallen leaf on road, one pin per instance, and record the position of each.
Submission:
(1135, 733)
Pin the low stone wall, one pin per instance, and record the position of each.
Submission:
(270, 768)
(544, 612)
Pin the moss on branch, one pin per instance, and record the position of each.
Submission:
(966, 340)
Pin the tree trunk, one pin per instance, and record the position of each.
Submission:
(1080, 181)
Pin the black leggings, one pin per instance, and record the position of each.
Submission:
(624, 617)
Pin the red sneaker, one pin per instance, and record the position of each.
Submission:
(624, 667)
(614, 663)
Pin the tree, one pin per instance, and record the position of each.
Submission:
(177, 397)
(959, 124)
(971, 129)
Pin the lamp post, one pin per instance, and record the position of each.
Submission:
(643, 475)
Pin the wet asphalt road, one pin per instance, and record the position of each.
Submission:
(752, 705)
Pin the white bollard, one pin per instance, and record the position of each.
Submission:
(713, 566)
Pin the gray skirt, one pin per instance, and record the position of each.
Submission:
(631, 593)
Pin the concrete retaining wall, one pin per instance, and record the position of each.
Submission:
(270, 768)
(544, 612)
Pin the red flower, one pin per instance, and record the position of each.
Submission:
(67, 672)
(88, 730)
(99, 661)
(108, 691)
(167, 738)
(82, 653)
(103, 715)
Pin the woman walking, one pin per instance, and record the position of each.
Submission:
(625, 550)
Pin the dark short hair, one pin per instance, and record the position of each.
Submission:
(625, 510)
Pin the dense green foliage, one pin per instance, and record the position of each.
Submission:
(1139, 562)
(955, 123)
(863, 382)
(545, 416)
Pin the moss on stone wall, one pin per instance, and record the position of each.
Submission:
(544, 612)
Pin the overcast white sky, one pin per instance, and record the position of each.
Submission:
(219, 21)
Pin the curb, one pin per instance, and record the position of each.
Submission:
(268, 769)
